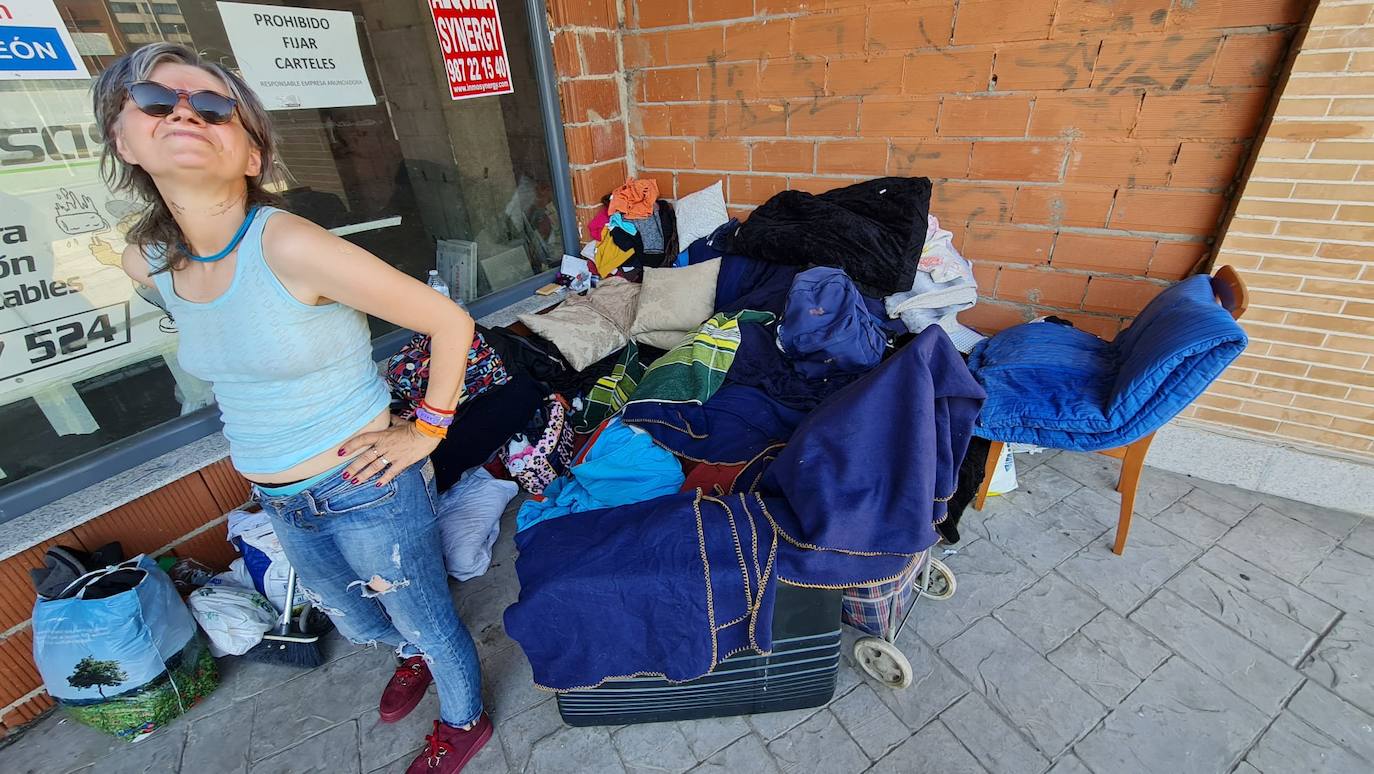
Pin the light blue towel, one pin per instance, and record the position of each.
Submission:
(623, 466)
(618, 221)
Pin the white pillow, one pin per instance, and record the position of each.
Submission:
(700, 213)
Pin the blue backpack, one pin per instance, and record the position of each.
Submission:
(826, 328)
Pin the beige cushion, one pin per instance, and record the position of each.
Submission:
(588, 328)
(674, 302)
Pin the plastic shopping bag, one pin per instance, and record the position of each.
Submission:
(1004, 477)
(263, 557)
(126, 663)
(233, 617)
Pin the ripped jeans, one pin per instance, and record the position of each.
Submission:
(370, 557)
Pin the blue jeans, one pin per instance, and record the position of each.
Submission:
(370, 557)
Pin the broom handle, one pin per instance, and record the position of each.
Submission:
(284, 625)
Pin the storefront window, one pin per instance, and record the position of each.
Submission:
(380, 152)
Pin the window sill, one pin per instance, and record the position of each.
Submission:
(77, 508)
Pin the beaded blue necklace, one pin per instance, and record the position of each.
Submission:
(233, 243)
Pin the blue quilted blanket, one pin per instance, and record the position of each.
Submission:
(1059, 387)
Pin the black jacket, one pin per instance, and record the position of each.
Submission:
(874, 230)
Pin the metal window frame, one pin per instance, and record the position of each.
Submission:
(93, 467)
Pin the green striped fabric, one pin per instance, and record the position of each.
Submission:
(611, 391)
(695, 369)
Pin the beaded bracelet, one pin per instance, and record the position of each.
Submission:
(425, 428)
(429, 416)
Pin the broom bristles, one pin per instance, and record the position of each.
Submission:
(288, 649)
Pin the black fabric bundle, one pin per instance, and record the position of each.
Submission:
(530, 355)
(970, 480)
(667, 220)
(874, 230)
(477, 434)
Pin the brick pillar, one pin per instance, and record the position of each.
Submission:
(1303, 238)
(587, 55)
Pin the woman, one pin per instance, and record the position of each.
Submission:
(271, 312)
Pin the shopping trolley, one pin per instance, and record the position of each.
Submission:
(881, 611)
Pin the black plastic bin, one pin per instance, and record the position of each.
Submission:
(799, 673)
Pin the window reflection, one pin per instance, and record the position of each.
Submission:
(410, 177)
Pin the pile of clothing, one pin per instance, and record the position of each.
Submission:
(785, 406)
(633, 229)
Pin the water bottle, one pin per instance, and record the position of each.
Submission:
(436, 282)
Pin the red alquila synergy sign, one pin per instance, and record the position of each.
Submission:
(473, 47)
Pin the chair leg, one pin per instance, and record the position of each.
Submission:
(1131, 463)
(990, 467)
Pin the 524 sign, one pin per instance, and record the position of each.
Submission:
(35, 347)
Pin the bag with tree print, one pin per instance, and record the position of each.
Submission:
(127, 662)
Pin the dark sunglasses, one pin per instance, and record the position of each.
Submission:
(157, 100)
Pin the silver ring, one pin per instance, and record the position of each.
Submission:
(384, 460)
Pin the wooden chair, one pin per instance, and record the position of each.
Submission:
(1230, 292)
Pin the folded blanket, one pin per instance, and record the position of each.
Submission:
(1055, 386)
(734, 427)
(666, 587)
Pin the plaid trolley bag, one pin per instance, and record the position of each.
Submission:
(881, 610)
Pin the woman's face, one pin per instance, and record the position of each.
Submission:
(171, 146)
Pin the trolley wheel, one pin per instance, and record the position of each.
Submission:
(942, 583)
(883, 662)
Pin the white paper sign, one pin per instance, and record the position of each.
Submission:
(298, 57)
(35, 44)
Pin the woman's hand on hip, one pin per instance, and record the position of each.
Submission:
(388, 452)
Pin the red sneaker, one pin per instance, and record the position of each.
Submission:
(449, 749)
(405, 689)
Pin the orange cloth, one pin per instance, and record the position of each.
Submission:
(635, 199)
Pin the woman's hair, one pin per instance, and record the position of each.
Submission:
(157, 227)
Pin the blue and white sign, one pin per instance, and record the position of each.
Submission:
(35, 44)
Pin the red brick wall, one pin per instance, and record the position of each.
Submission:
(586, 47)
(184, 519)
(1084, 151)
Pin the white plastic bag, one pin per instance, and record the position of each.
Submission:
(233, 617)
(263, 557)
(1004, 477)
(470, 521)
